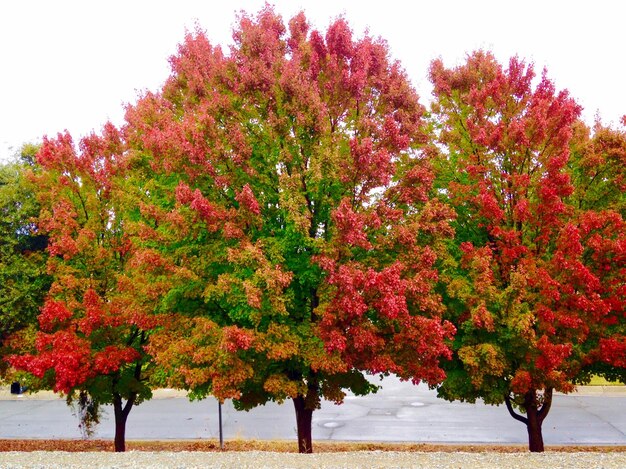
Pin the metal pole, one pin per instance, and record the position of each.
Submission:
(219, 413)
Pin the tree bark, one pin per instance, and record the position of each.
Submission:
(304, 419)
(121, 415)
(535, 415)
(535, 436)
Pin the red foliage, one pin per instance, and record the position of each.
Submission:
(53, 314)
(538, 263)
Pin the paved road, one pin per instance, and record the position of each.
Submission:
(398, 412)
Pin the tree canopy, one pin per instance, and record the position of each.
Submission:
(283, 218)
(295, 172)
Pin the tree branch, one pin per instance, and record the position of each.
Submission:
(516, 416)
(547, 403)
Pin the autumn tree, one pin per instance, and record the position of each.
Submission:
(295, 172)
(23, 280)
(96, 318)
(529, 293)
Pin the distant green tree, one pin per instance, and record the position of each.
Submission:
(23, 279)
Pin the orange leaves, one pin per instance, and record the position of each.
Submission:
(236, 338)
(279, 343)
(90, 321)
(228, 379)
(482, 318)
(57, 153)
(479, 261)
(93, 317)
(150, 260)
(64, 353)
(415, 185)
(368, 321)
(522, 382)
(62, 226)
(196, 61)
(205, 209)
(203, 353)
(373, 166)
(552, 356)
(348, 303)
(388, 289)
(253, 294)
(512, 139)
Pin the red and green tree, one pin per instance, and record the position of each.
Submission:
(98, 313)
(294, 171)
(536, 286)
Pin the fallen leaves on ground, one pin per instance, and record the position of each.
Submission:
(279, 446)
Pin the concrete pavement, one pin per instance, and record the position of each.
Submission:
(398, 412)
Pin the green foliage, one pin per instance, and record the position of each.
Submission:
(23, 278)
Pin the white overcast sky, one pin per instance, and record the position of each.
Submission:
(73, 64)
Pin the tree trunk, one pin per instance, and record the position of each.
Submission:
(121, 415)
(535, 437)
(304, 419)
(536, 413)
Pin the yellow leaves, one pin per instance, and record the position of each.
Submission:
(228, 376)
(263, 283)
(203, 353)
(279, 342)
(282, 387)
(458, 287)
(194, 376)
(522, 321)
(225, 284)
(560, 381)
(292, 200)
(332, 392)
(85, 239)
(483, 360)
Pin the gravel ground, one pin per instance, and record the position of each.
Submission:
(258, 460)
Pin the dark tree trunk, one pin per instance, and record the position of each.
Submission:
(535, 415)
(535, 437)
(121, 415)
(304, 419)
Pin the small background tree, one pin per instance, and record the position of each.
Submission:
(23, 279)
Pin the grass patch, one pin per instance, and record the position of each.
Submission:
(600, 381)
